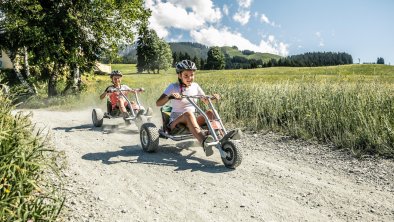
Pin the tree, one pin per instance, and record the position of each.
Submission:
(146, 48)
(153, 53)
(163, 56)
(215, 58)
(175, 58)
(68, 36)
(380, 61)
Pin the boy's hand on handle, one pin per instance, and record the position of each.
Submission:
(138, 90)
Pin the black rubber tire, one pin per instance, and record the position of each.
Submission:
(234, 154)
(97, 117)
(149, 137)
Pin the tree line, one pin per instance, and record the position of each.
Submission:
(312, 59)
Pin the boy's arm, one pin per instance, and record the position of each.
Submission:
(104, 94)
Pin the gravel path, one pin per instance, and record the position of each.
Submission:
(109, 178)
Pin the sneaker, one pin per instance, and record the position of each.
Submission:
(207, 148)
(125, 116)
(140, 112)
(205, 132)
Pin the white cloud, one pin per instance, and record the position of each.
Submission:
(244, 3)
(186, 15)
(225, 9)
(223, 37)
(320, 38)
(264, 19)
(200, 17)
(242, 17)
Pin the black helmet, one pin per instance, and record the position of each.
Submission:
(185, 65)
(115, 73)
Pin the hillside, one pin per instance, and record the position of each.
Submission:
(200, 51)
(233, 51)
(193, 49)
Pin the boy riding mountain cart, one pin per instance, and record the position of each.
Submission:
(119, 105)
(117, 102)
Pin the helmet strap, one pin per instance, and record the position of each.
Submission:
(180, 82)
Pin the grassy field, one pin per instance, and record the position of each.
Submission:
(350, 106)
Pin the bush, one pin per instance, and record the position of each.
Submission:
(26, 192)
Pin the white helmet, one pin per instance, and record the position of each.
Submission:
(185, 65)
(115, 73)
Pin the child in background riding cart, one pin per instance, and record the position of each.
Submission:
(118, 102)
(183, 112)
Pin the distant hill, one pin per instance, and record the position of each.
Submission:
(200, 51)
(193, 49)
(233, 51)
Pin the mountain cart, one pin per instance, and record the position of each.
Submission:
(230, 152)
(136, 112)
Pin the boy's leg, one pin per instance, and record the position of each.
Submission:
(121, 104)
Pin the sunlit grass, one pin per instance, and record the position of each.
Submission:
(25, 192)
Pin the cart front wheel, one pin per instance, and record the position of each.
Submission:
(233, 153)
(149, 136)
(97, 117)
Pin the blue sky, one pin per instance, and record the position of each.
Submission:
(362, 28)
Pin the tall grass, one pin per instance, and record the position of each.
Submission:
(25, 194)
(357, 116)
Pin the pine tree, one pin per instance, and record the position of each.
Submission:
(215, 58)
(380, 61)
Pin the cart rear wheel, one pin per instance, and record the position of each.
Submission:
(149, 136)
(233, 153)
(97, 117)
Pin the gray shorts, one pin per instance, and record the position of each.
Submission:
(175, 115)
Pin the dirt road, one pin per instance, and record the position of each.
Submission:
(109, 178)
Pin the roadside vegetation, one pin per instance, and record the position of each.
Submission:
(26, 193)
